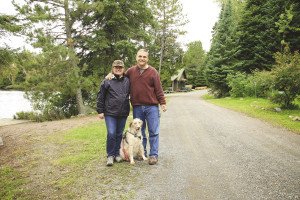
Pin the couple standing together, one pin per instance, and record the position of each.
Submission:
(143, 84)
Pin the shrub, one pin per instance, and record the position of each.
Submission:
(237, 83)
(260, 84)
(286, 74)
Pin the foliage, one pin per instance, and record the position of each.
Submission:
(49, 24)
(258, 84)
(51, 83)
(8, 25)
(238, 83)
(286, 78)
(261, 33)
(99, 32)
(219, 59)
(288, 26)
(193, 61)
(13, 68)
(6, 73)
(169, 21)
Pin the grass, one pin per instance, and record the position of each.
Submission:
(81, 145)
(73, 168)
(10, 183)
(260, 108)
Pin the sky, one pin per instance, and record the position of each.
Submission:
(202, 15)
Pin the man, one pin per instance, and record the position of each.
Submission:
(146, 94)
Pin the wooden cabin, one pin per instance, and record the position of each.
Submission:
(179, 81)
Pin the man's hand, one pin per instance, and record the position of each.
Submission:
(164, 107)
(109, 76)
(101, 116)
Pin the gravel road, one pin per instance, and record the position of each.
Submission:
(208, 152)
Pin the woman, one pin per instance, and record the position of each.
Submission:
(113, 106)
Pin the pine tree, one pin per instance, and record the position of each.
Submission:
(289, 27)
(220, 57)
(48, 24)
(193, 61)
(169, 22)
(258, 37)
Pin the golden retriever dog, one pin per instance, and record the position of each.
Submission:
(131, 144)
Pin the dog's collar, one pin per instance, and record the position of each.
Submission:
(134, 134)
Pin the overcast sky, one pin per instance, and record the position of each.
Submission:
(202, 15)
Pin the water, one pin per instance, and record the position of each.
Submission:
(12, 102)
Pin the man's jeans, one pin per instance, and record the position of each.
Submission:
(115, 127)
(150, 116)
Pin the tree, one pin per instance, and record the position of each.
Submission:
(193, 61)
(8, 70)
(258, 37)
(288, 27)
(115, 30)
(8, 25)
(169, 22)
(219, 59)
(50, 22)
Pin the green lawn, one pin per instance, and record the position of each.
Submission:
(260, 108)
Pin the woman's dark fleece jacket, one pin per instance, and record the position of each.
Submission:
(113, 97)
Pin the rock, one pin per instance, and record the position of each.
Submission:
(294, 118)
(277, 109)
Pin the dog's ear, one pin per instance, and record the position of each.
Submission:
(141, 122)
(130, 124)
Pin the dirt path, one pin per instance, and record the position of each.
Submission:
(208, 152)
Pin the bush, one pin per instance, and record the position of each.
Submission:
(286, 74)
(260, 84)
(237, 84)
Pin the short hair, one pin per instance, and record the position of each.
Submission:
(142, 50)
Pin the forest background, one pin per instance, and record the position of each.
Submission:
(254, 50)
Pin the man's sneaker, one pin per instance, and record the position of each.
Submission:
(152, 160)
(110, 161)
(118, 159)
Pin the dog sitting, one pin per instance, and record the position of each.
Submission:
(131, 144)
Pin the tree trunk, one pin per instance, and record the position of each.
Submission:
(161, 55)
(70, 44)
(162, 49)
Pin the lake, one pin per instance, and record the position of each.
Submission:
(12, 102)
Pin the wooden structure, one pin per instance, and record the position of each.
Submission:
(178, 81)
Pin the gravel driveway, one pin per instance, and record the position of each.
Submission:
(208, 152)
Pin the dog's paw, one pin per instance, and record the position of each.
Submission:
(132, 162)
(145, 158)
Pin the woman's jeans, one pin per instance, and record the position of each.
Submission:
(150, 116)
(115, 127)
